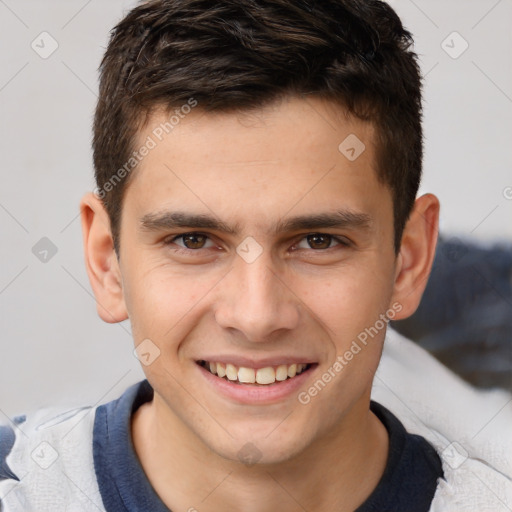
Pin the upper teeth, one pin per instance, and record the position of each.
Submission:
(266, 375)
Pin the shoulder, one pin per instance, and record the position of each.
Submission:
(467, 427)
(46, 461)
(474, 485)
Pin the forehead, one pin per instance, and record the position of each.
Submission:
(281, 131)
(290, 157)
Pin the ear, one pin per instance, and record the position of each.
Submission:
(101, 260)
(417, 251)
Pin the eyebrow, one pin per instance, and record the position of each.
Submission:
(341, 219)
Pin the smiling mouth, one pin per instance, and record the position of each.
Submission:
(262, 376)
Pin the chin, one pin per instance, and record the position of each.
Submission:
(260, 450)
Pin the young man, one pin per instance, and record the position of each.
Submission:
(255, 217)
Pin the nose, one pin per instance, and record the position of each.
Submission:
(256, 301)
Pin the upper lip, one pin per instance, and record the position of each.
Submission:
(248, 362)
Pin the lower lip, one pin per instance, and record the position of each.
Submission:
(254, 393)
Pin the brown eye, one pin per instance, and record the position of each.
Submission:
(191, 244)
(319, 241)
(322, 241)
(193, 240)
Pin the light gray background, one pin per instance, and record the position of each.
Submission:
(54, 348)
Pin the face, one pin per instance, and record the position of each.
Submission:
(258, 246)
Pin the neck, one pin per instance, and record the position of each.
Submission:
(338, 471)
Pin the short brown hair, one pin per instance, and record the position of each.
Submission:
(243, 54)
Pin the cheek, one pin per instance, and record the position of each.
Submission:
(347, 301)
(164, 304)
(350, 308)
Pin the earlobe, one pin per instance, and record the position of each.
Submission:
(101, 260)
(416, 256)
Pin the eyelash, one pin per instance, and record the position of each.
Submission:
(184, 250)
